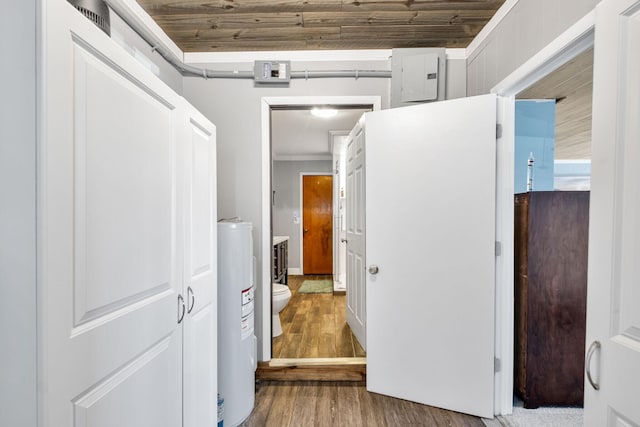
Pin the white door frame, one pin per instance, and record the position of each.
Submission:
(263, 324)
(575, 40)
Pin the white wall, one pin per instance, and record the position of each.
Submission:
(286, 184)
(527, 28)
(456, 84)
(18, 404)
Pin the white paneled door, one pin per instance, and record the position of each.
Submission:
(355, 207)
(612, 381)
(126, 239)
(200, 246)
(430, 253)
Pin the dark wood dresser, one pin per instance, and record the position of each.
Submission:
(551, 241)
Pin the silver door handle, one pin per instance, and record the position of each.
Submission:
(592, 349)
(343, 240)
(305, 230)
(192, 299)
(373, 269)
(180, 306)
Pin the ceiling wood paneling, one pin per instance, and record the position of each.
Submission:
(242, 25)
(572, 87)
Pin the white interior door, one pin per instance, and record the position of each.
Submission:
(109, 262)
(430, 227)
(356, 292)
(200, 273)
(613, 314)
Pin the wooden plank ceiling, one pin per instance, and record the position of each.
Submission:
(250, 25)
(571, 86)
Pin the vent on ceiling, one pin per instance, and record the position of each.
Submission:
(96, 11)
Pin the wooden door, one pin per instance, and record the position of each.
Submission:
(109, 220)
(356, 285)
(612, 383)
(430, 253)
(317, 224)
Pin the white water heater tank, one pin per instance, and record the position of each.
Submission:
(237, 345)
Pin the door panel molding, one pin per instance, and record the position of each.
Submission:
(115, 383)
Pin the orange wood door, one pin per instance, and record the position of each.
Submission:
(317, 224)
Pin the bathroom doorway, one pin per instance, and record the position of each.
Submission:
(303, 169)
(314, 324)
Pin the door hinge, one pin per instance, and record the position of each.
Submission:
(498, 130)
(496, 364)
(498, 248)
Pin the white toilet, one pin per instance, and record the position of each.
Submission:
(280, 298)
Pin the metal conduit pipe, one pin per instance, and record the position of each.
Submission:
(341, 73)
(214, 74)
(188, 70)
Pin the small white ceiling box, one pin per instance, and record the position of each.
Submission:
(419, 78)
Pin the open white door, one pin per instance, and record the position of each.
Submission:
(613, 317)
(430, 234)
(356, 295)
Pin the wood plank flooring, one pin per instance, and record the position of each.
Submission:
(314, 325)
(314, 369)
(311, 403)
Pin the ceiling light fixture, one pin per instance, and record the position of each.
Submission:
(324, 113)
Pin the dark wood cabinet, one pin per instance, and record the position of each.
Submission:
(281, 263)
(551, 241)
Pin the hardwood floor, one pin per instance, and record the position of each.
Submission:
(314, 325)
(349, 404)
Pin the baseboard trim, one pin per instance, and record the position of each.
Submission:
(316, 369)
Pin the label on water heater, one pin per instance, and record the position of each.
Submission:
(246, 317)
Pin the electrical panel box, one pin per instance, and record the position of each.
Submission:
(419, 78)
(418, 75)
(272, 71)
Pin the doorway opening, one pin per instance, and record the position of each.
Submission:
(552, 181)
(295, 151)
(560, 76)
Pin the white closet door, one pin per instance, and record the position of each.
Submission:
(356, 238)
(612, 377)
(109, 257)
(200, 274)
